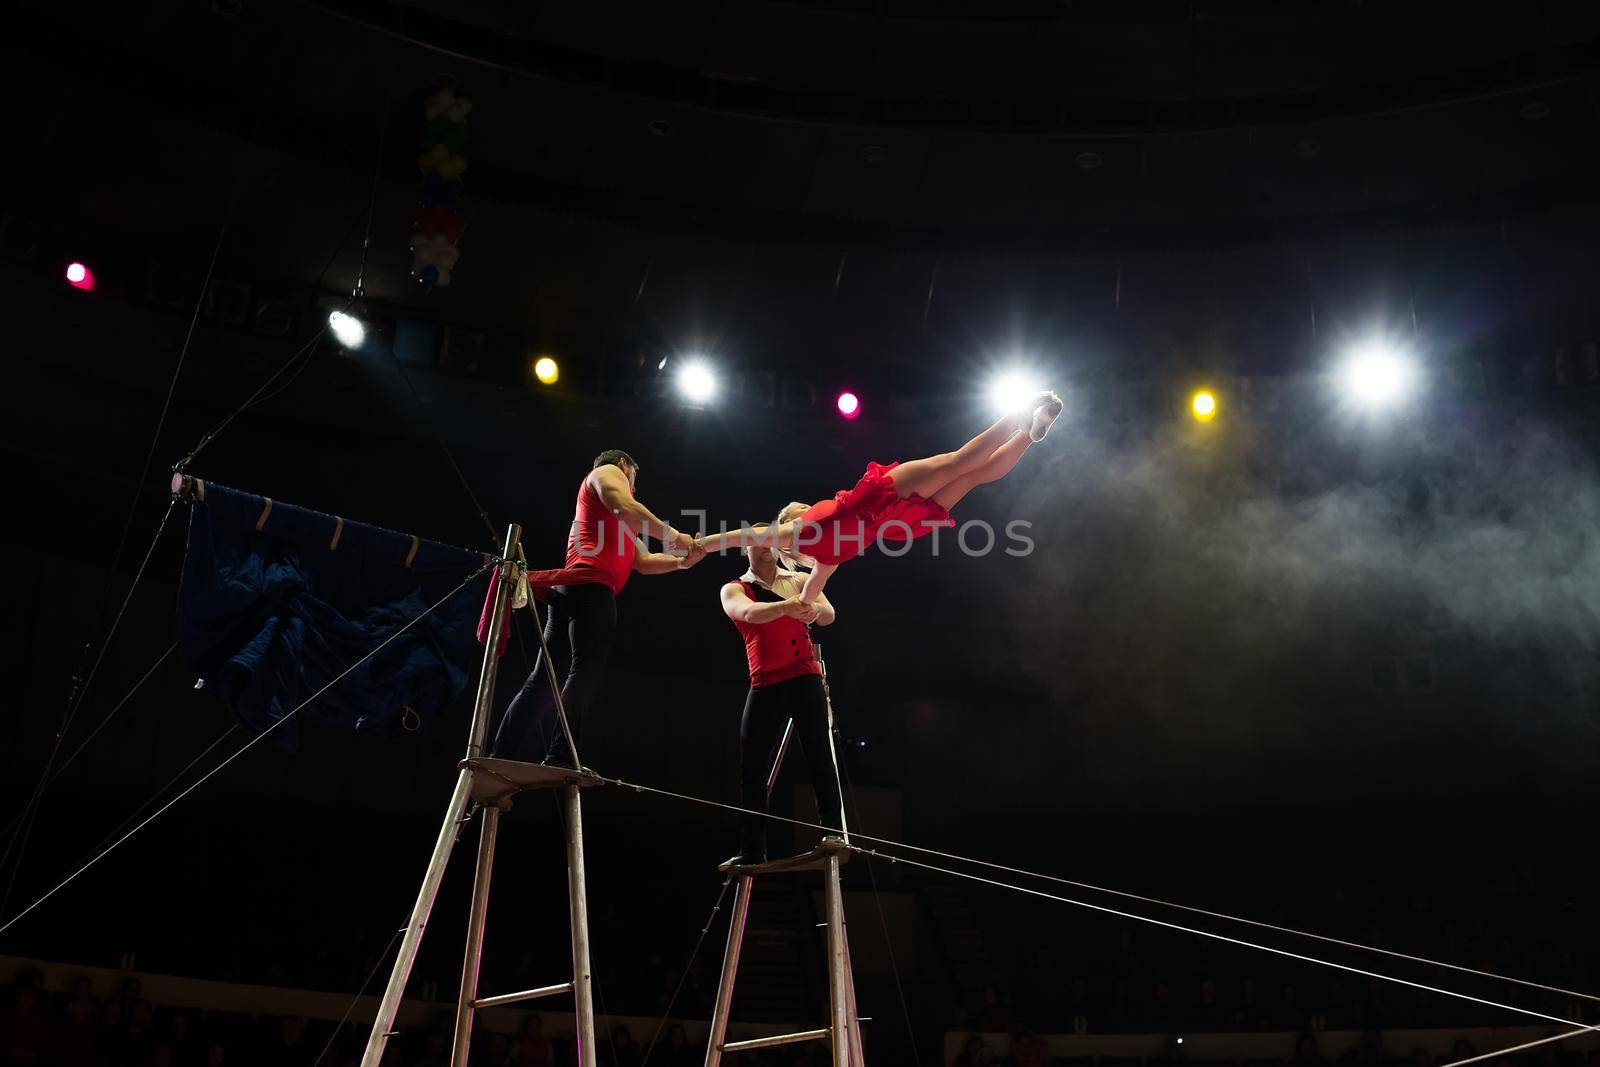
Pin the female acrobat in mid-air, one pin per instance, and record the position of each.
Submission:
(894, 501)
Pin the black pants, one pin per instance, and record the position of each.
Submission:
(580, 624)
(766, 710)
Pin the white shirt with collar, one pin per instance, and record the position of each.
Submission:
(785, 583)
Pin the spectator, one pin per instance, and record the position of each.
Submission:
(1306, 1052)
(533, 1048)
(134, 1043)
(1462, 1050)
(976, 1054)
(1029, 1050)
(625, 1051)
(1206, 1013)
(1367, 1054)
(288, 1047)
(1290, 1015)
(1247, 1014)
(497, 1052)
(216, 1056)
(181, 1040)
(80, 1022)
(24, 1031)
(994, 1017)
(1161, 1016)
(676, 1047)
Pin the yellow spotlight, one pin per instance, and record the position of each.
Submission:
(1204, 406)
(545, 369)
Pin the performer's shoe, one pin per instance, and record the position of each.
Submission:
(743, 859)
(563, 762)
(1046, 409)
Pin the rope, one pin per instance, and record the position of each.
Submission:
(638, 788)
(1123, 894)
(241, 751)
(1220, 937)
(30, 811)
(693, 954)
(438, 437)
(159, 793)
(1519, 1048)
(550, 673)
(62, 769)
(376, 966)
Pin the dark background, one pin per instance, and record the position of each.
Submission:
(1296, 662)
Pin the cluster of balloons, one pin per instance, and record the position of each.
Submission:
(436, 226)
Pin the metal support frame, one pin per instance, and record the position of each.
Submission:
(843, 1031)
(493, 789)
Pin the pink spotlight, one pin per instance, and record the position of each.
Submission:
(80, 276)
(849, 405)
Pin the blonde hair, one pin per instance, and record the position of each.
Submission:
(793, 558)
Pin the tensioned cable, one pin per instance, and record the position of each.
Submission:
(30, 811)
(377, 965)
(241, 751)
(1218, 937)
(693, 954)
(1112, 892)
(1522, 1047)
(62, 769)
(438, 438)
(159, 793)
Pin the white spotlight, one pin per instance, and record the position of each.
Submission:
(1009, 391)
(697, 382)
(1377, 375)
(348, 329)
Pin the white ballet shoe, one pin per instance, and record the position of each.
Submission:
(1047, 408)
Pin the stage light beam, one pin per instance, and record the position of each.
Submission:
(347, 329)
(546, 370)
(1377, 376)
(1203, 405)
(697, 382)
(849, 405)
(1010, 391)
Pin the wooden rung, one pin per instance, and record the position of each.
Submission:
(531, 994)
(777, 1039)
(494, 780)
(815, 860)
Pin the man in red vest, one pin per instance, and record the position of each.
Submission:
(785, 683)
(603, 549)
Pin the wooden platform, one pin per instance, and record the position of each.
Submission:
(815, 860)
(496, 780)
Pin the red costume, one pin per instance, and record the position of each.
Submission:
(600, 550)
(840, 528)
(776, 650)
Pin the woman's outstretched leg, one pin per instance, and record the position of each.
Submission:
(926, 477)
(999, 465)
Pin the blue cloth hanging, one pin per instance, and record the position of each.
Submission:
(277, 600)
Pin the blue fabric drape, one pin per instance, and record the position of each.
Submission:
(268, 616)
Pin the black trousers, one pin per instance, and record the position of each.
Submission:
(580, 625)
(766, 710)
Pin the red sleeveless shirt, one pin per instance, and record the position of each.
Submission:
(778, 650)
(599, 541)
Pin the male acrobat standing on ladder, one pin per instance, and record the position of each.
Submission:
(603, 549)
(785, 683)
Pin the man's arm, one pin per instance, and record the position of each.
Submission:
(616, 494)
(740, 608)
(648, 562)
